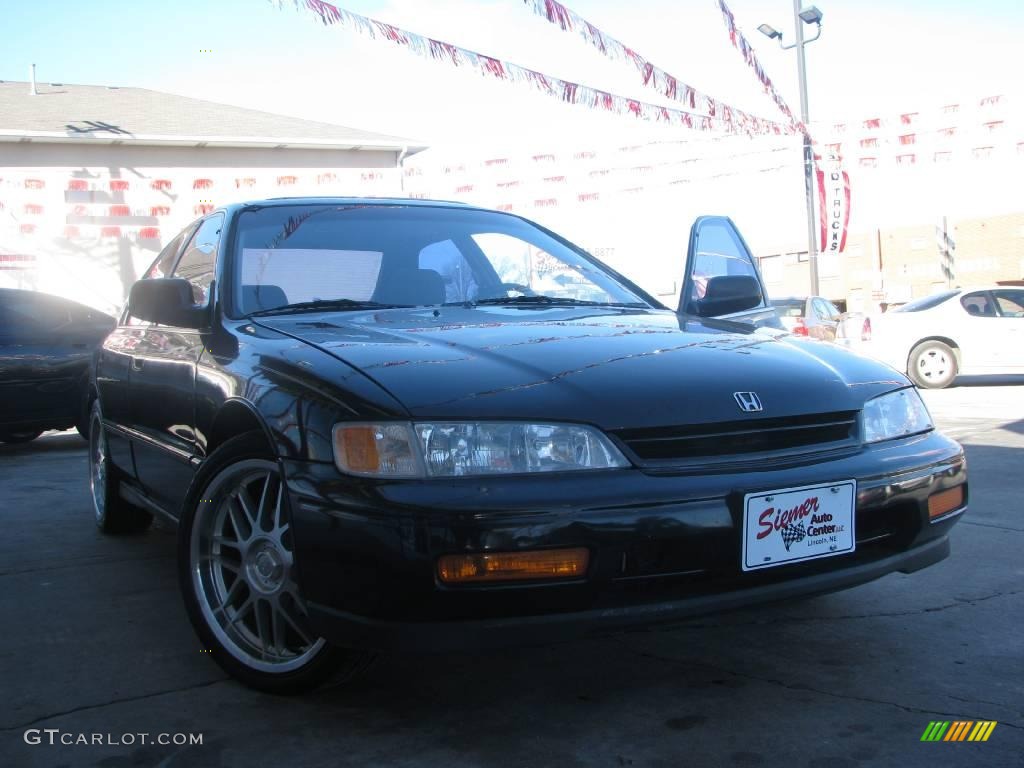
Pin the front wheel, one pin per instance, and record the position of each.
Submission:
(932, 365)
(237, 571)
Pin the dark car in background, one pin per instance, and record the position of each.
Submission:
(46, 345)
(376, 432)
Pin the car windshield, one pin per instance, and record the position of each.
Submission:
(927, 302)
(362, 256)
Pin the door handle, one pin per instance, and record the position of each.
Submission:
(137, 363)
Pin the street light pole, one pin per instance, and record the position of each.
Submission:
(801, 64)
(801, 16)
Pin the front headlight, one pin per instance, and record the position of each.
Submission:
(453, 449)
(896, 414)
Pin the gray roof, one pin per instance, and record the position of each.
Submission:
(104, 114)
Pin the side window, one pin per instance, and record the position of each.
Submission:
(447, 260)
(978, 304)
(718, 252)
(199, 260)
(1010, 303)
(164, 263)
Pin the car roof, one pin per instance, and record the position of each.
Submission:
(334, 200)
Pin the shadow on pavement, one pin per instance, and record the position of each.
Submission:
(1014, 426)
(49, 442)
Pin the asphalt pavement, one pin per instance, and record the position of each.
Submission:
(95, 642)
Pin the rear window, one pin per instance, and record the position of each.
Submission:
(24, 313)
(927, 302)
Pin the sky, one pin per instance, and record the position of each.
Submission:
(873, 58)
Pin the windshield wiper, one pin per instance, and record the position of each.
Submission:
(552, 301)
(343, 305)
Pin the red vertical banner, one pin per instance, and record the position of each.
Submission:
(833, 204)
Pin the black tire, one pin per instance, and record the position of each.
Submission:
(932, 365)
(113, 514)
(20, 436)
(236, 572)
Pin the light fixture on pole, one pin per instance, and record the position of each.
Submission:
(801, 16)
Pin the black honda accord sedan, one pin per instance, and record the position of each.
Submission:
(386, 424)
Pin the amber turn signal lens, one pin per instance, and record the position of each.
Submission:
(359, 448)
(512, 566)
(945, 501)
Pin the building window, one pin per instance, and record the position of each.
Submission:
(869, 162)
(908, 118)
(873, 123)
(908, 138)
(943, 157)
(866, 143)
(980, 153)
(951, 131)
(906, 159)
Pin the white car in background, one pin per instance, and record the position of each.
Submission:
(969, 331)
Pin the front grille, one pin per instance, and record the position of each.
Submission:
(725, 441)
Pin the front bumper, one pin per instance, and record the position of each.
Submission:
(663, 547)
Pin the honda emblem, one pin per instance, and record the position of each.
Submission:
(748, 401)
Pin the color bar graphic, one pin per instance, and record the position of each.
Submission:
(958, 730)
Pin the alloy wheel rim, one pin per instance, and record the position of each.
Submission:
(98, 468)
(243, 570)
(933, 364)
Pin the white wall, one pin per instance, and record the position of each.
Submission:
(59, 204)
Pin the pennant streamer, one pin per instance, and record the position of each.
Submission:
(653, 76)
(572, 93)
(741, 44)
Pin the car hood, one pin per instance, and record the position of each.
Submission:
(604, 366)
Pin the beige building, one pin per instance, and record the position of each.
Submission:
(902, 263)
(94, 180)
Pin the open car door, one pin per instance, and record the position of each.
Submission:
(722, 279)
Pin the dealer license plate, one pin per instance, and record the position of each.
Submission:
(796, 524)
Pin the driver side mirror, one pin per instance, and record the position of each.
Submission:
(166, 301)
(727, 294)
(722, 277)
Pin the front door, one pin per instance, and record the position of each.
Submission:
(1010, 331)
(114, 364)
(162, 382)
(978, 331)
